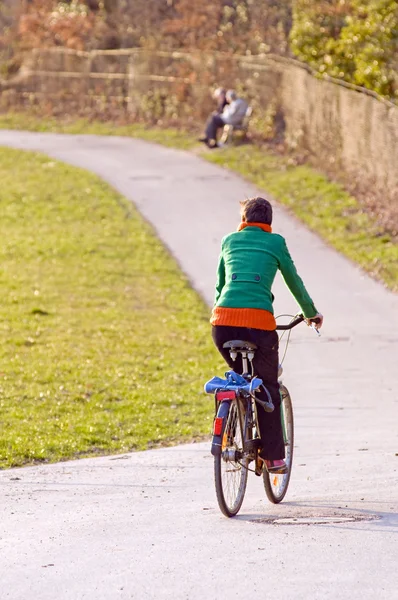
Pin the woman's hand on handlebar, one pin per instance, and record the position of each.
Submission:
(316, 321)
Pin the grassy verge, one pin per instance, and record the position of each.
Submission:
(105, 346)
(172, 138)
(324, 206)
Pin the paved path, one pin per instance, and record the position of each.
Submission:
(146, 525)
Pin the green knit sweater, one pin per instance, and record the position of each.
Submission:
(247, 267)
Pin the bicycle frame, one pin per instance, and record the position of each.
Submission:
(248, 422)
(283, 393)
(236, 436)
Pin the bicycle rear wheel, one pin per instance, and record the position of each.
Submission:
(276, 484)
(230, 466)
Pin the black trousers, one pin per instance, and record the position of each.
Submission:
(214, 123)
(265, 363)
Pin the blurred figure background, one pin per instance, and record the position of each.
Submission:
(233, 113)
(220, 96)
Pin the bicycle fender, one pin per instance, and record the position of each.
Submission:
(219, 426)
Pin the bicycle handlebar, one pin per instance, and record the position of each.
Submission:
(292, 324)
(296, 321)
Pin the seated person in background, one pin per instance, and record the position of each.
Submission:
(220, 96)
(232, 114)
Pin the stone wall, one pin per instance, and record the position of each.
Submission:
(347, 131)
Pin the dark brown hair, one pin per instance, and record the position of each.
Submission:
(256, 210)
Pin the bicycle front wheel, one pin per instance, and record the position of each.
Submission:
(230, 466)
(276, 484)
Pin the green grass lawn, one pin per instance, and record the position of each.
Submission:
(323, 205)
(105, 347)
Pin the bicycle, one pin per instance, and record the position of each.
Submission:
(236, 442)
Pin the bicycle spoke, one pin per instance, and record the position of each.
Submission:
(230, 474)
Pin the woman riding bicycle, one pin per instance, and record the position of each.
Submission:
(249, 260)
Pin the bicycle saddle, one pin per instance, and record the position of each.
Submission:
(239, 345)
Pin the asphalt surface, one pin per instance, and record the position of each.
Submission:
(146, 525)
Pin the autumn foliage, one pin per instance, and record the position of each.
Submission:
(44, 25)
(354, 40)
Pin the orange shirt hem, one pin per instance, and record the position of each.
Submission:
(255, 318)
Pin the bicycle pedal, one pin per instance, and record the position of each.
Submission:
(259, 467)
(280, 471)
